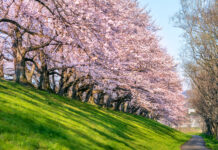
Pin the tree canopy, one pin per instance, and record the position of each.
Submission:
(105, 52)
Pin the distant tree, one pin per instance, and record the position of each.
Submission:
(198, 18)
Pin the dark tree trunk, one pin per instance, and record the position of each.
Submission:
(1, 65)
(134, 109)
(19, 66)
(44, 82)
(98, 99)
(61, 90)
(214, 128)
(75, 88)
(74, 91)
(208, 127)
(108, 103)
(61, 83)
(1, 69)
(54, 84)
(89, 94)
(19, 63)
(139, 112)
(64, 89)
(117, 105)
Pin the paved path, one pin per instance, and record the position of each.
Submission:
(195, 143)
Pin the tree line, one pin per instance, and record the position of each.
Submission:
(198, 19)
(102, 52)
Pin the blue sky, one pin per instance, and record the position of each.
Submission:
(162, 11)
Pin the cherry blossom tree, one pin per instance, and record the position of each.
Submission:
(103, 52)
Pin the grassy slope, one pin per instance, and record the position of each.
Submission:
(211, 142)
(33, 119)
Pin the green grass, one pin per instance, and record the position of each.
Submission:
(32, 119)
(190, 130)
(210, 141)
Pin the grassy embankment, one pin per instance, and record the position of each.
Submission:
(210, 141)
(34, 119)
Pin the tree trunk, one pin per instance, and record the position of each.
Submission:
(117, 105)
(214, 129)
(208, 127)
(61, 83)
(139, 112)
(19, 62)
(44, 81)
(127, 106)
(54, 84)
(30, 74)
(1, 69)
(64, 89)
(122, 107)
(19, 66)
(74, 91)
(88, 95)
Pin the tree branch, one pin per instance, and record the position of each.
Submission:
(17, 24)
(31, 60)
(39, 1)
(33, 48)
(4, 32)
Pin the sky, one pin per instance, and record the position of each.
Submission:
(162, 11)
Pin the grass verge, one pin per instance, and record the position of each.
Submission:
(210, 141)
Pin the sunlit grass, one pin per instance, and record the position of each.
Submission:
(34, 119)
(191, 131)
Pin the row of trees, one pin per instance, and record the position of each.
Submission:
(198, 18)
(103, 52)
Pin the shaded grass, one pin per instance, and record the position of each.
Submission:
(210, 141)
(34, 119)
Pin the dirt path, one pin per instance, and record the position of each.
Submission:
(195, 143)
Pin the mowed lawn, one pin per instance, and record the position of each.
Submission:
(32, 119)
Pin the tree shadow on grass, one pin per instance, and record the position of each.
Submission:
(110, 122)
(49, 131)
(159, 128)
(118, 128)
(80, 114)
